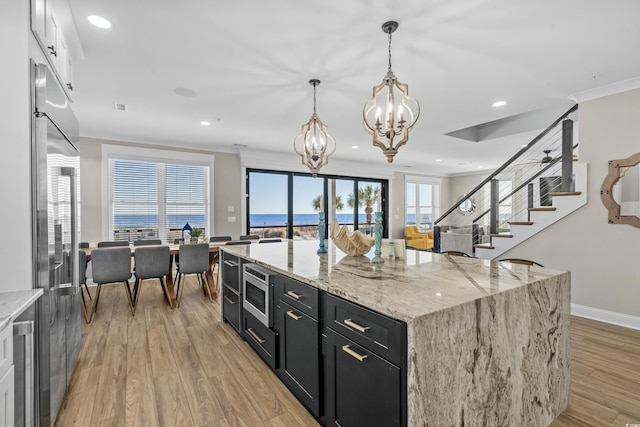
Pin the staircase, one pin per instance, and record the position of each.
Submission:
(539, 185)
(563, 204)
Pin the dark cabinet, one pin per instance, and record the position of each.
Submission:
(261, 338)
(299, 356)
(232, 291)
(365, 366)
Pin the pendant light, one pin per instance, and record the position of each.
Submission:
(391, 113)
(314, 144)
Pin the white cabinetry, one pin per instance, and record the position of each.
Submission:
(48, 32)
(6, 377)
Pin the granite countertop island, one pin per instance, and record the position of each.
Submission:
(487, 342)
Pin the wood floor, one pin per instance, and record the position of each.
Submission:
(183, 367)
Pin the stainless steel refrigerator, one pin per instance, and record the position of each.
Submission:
(55, 176)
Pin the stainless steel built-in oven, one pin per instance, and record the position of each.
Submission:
(257, 291)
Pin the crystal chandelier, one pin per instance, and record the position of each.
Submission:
(313, 143)
(390, 114)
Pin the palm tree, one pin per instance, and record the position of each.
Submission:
(317, 203)
(367, 197)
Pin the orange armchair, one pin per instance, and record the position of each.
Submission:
(416, 239)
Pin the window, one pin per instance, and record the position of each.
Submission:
(422, 202)
(153, 197)
(286, 204)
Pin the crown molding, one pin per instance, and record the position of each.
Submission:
(611, 89)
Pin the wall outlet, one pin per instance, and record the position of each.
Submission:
(231, 219)
(231, 208)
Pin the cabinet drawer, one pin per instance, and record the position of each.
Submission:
(377, 332)
(231, 271)
(300, 295)
(260, 338)
(231, 307)
(6, 348)
(362, 389)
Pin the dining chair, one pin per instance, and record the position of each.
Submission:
(456, 253)
(238, 242)
(110, 265)
(249, 237)
(84, 245)
(270, 240)
(82, 278)
(151, 262)
(147, 242)
(521, 261)
(112, 243)
(194, 260)
(219, 238)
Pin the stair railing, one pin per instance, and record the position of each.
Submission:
(507, 194)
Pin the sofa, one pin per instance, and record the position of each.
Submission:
(416, 239)
(459, 238)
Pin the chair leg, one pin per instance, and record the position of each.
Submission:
(94, 308)
(87, 289)
(163, 284)
(179, 289)
(127, 287)
(136, 291)
(203, 280)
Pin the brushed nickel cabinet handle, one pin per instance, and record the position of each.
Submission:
(232, 302)
(354, 325)
(256, 336)
(347, 349)
(294, 295)
(293, 315)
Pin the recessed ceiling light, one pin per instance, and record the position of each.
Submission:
(438, 294)
(524, 145)
(99, 21)
(438, 160)
(480, 167)
(499, 104)
(205, 123)
(183, 91)
(354, 147)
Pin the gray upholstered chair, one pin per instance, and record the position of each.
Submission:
(249, 237)
(82, 278)
(219, 238)
(110, 265)
(151, 262)
(238, 242)
(147, 242)
(84, 245)
(194, 259)
(112, 243)
(521, 261)
(457, 253)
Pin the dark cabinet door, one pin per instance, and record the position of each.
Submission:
(362, 389)
(299, 366)
(231, 268)
(232, 308)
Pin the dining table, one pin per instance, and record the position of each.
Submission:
(174, 250)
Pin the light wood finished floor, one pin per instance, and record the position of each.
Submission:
(184, 367)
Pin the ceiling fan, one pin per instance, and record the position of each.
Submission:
(546, 159)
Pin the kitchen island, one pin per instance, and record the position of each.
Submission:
(487, 343)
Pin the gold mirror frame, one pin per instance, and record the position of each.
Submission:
(617, 169)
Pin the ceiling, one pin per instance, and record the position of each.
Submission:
(249, 63)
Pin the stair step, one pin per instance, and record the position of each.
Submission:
(520, 222)
(483, 246)
(542, 209)
(566, 193)
(502, 235)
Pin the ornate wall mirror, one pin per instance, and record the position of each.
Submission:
(620, 191)
(468, 206)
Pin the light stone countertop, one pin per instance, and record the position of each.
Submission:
(422, 284)
(12, 304)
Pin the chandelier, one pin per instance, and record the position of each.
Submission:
(390, 114)
(313, 143)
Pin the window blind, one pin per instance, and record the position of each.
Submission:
(156, 199)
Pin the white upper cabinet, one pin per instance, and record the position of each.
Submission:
(47, 30)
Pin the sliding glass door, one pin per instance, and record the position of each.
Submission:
(286, 204)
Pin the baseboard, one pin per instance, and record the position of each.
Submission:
(606, 316)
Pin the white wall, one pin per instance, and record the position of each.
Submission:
(227, 188)
(15, 137)
(602, 257)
